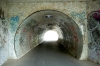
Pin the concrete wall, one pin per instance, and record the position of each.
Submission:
(4, 46)
(94, 33)
(93, 6)
(19, 11)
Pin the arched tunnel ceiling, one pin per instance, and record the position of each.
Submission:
(33, 27)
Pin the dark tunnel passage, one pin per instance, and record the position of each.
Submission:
(31, 31)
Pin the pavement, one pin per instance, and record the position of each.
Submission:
(48, 54)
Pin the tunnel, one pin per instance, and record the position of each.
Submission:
(49, 33)
(31, 31)
(48, 38)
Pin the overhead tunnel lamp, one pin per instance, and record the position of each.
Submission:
(50, 35)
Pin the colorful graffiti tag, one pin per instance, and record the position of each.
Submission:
(94, 36)
(13, 22)
(80, 16)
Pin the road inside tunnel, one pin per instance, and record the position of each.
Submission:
(48, 54)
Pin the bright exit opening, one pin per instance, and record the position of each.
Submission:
(50, 35)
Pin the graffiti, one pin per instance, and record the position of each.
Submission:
(3, 38)
(74, 34)
(96, 15)
(13, 22)
(21, 42)
(94, 29)
(91, 45)
(2, 14)
(15, 18)
(94, 52)
(3, 29)
(94, 20)
(98, 53)
(96, 36)
(81, 16)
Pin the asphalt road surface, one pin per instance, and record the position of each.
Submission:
(48, 54)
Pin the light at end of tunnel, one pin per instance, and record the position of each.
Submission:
(50, 35)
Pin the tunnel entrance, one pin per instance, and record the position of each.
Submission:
(31, 31)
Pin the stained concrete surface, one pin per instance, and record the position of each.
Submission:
(48, 54)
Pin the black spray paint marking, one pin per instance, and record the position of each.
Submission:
(2, 14)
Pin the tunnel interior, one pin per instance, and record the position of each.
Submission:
(31, 31)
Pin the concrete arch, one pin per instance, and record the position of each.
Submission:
(29, 32)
